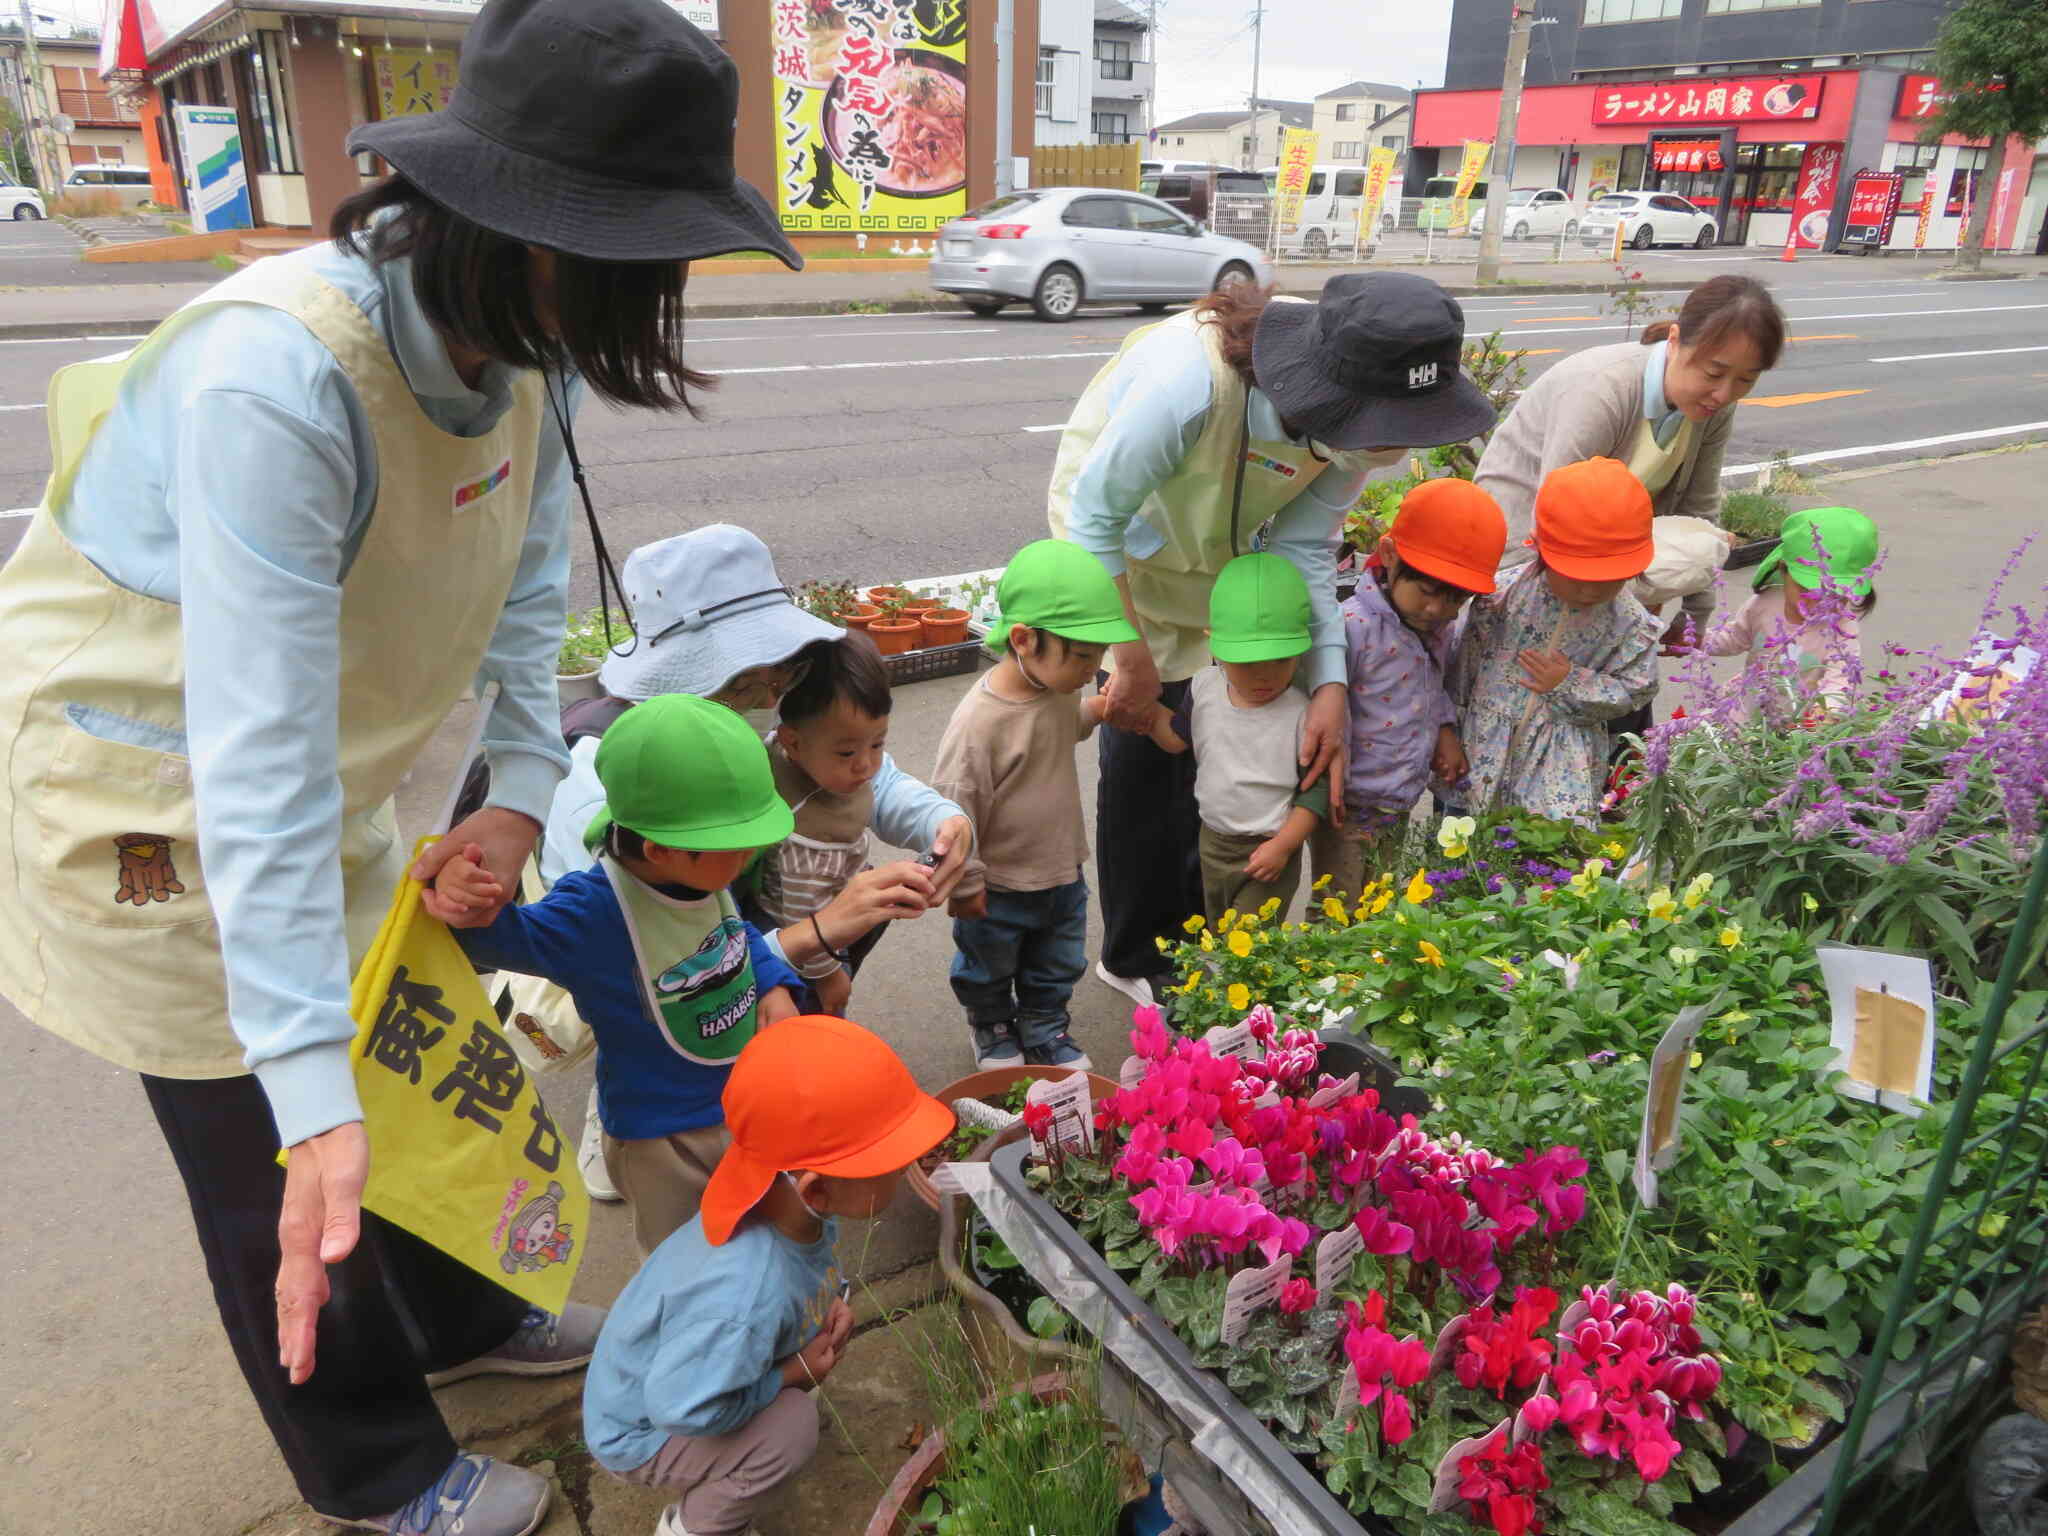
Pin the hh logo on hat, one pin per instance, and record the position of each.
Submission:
(469, 492)
(1274, 466)
(1422, 376)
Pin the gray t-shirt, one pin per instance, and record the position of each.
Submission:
(1246, 760)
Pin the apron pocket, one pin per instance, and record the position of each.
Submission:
(117, 829)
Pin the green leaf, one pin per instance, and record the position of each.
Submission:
(932, 1508)
(1698, 1469)
(1415, 1485)
(1045, 1317)
(1824, 1287)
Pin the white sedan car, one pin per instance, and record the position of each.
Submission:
(20, 203)
(1647, 219)
(1057, 248)
(1533, 213)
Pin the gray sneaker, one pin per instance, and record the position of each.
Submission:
(544, 1344)
(995, 1046)
(474, 1496)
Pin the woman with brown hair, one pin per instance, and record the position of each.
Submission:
(1245, 413)
(1664, 407)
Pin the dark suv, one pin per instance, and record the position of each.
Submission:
(1226, 201)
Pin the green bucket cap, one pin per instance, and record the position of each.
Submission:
(1258, 610)
(1841, 537)
(1062, 589)
(686, 773)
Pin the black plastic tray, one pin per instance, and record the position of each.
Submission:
(932, 661)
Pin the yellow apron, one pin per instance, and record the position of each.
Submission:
(1190, 512)
(107, 934)
(1655, 466)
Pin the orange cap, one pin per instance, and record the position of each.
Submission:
(816, 1093)
(1593, 521)
(1450, 529)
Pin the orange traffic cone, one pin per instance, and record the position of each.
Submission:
(1791, 251)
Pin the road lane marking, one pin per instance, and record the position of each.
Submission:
(1546, 319)
(1778, 402)
(1538, 351)
(913, 362)
(18, 512)
(1058, 426)
(1928, 357)
(48, 341)
(1830, 455)
(36, 407)
(972, 330)
(1862, 314)
(1843, 337)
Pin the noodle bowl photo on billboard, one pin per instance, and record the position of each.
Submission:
(870, 114)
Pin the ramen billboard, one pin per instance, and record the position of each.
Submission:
(870, 114)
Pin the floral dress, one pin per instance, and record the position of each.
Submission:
(1546, 753)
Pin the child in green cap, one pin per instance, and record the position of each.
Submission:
(650, 945)
(1007, 759)
(1244, 716)
(1814, 611)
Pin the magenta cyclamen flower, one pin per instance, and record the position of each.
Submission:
(1234, 1164)
(1383, 1235)
(1297, 1296)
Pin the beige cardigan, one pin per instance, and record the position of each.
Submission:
(1590, 406)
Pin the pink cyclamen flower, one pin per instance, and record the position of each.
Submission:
(1383, 1235)
(1297, 1296)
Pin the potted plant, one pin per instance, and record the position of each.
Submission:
(835, 603)
(943, 626)
(584, 647)
(916, 603)
(883, 595)
(894, 631)
(1000, 1088)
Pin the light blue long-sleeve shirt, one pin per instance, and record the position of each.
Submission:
(1159, 398)
(238, 470)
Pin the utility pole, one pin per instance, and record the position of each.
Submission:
(38, 109)
(1504, 141)
(1152, 58)
(1258, 31)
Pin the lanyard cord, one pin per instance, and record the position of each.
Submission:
(1244, 443)
(608, 587)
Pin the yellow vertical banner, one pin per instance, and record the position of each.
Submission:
(870, 114)
(411, 81)
(1379, 175)
(1469, 167)
(1290, 186)
(462, 1152)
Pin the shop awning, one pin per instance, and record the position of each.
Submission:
(1687, 155)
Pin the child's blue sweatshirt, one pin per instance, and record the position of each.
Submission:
(694, 1344)
(576, 937)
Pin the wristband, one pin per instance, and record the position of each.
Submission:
(820, 932)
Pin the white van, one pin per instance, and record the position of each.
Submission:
(1329, 211)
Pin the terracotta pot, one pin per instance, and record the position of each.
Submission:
(919, 605)
(991, 1086)
(881, 595)
(896, 1514)
(944, 626)
(894, 637)
(859, 616)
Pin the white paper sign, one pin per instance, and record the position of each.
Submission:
(1334, 1255)
(1132, 1072)
(1447, 1476)
(1446, 1352)
(1073, 1117)
(1323, 1098)
(1880, 1002)
(1248, 1291)
(1523, 1429)
(1230, 1040)
(1657, 1142)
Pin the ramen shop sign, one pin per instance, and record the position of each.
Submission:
(1719, 100)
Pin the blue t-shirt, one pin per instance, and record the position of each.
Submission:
(576, 937)
(694, 1344)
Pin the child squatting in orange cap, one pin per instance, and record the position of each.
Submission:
(701, 1381)
(1547, 661)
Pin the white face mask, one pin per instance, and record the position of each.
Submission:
(761, 721)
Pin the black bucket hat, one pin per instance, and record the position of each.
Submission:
(601, 128)
(1373, 363)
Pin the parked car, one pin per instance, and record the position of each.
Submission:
(1533, 213)
(128, 183)
(1647, 219)
(1329, 210)
(21, 202)
(1439, 202)
(1057, 248)
(1234, 203)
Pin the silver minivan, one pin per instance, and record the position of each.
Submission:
(128, 183)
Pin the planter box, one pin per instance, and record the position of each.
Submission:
(934, 661)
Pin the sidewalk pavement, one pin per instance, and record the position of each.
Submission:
(27, 312)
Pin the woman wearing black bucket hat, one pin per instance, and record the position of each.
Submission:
(1245, 412)
(281, 538)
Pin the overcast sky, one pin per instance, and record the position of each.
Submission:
(1205, 49)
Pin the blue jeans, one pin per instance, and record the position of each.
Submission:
(1017, 966)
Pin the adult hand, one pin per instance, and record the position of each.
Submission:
(464, 894)
(898, 890)
(1323, 744)
(1133, 687)
(319, 1224)
(954, 842)
(505, 840)
(1678, 636)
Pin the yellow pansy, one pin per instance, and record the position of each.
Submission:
(1191, 983)
(1227, 921)
(1697, 1060)
(1696, 891)
(1321, 881)
(1271, 907)
(1504, 967)
(1736, 1016)
(1731, 936)
(1381, 902)
(1619, 925)
(1582, 882)
(1613, 850)
(1333, 909)
(1407, 1016)
(1419, 890)
(1378, 958)
(1208, 941)
(1240, 944)
(1161, 945)
(1680, 955)
(1240, 995)
(1194, 924)
(1809, 903)
(1430, 954)
(1660, 905)
(1454, 835)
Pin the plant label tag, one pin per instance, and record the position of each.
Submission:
(1882, 1025)
(1446, 1352)
(1131, 1073)
(1248, 1291)
(1334, 1093)
(1657, 1144)
(1334, 1255)
(1267, 1099)
(1073, 1117)
(1230, 1040)
(1445, 1498)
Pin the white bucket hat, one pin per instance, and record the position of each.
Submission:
(1690, 553)
(707, 606)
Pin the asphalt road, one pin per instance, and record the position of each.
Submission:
(889, 446)
(45, 254)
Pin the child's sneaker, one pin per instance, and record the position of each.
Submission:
(995, 1045)
(1059, 1051)
(473, 1496)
